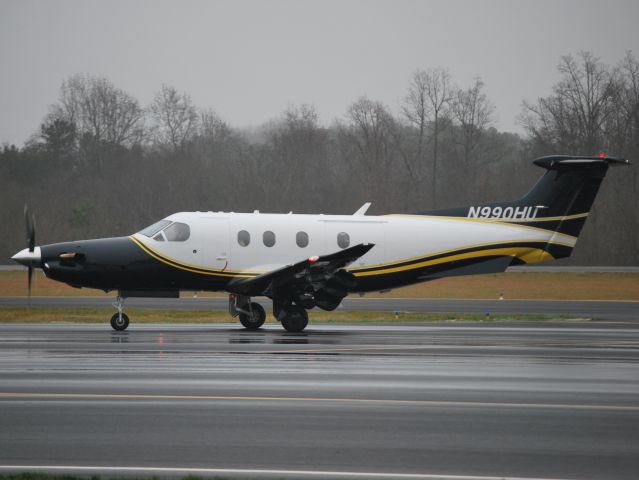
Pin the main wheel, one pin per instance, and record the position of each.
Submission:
(294, 318)
(119, 324)
(255, 321)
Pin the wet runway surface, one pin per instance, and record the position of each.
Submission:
(599, 310)
(555, 400)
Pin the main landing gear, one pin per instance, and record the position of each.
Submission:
(252, 315)
(293, 318)
(120, 320)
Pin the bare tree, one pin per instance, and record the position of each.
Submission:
(368, 144)
(473, 112)
(98, 108)
(297, 154)
(176, 118)
(574, 116)
(426, 108)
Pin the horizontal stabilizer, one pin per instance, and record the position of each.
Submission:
(569, 162)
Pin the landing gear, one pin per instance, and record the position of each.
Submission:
(120, 320)
(254, 318)
(294, 318)
(252, 315)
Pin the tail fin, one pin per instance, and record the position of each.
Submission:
(560, 201)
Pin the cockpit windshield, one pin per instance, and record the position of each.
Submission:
(155, 228)
(177, 232)
(167, 230)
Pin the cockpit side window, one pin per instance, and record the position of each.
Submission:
(177, 232)
(151, 230)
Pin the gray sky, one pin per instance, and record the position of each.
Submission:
(249, 60)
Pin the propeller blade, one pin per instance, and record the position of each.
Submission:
(29, 221)
(30, 281)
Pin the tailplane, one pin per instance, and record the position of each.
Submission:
(559, 202)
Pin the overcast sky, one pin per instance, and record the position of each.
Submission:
(249, 60)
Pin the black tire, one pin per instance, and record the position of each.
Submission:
(294, 319)
(257, 320)
(118, 325)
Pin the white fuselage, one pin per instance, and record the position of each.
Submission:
(213, 242)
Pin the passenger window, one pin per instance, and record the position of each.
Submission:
(301, 239)
(343, 239)
(243, 238)
(268, 238)
(177, 232)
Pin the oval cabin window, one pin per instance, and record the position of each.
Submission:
(243, 238)
(343, 239)
(301, 239)
(268, 238)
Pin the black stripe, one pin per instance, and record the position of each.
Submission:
(540, 245)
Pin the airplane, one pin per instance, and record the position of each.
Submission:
(303, 261)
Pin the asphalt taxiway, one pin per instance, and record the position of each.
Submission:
(557, 400)
(627, 311)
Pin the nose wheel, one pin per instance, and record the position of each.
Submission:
(119, 320)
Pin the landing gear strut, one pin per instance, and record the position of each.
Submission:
(120, 320)
(252, 314)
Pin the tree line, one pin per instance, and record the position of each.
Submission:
(101, 163)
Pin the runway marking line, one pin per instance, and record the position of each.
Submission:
(374, 401)
(239, 471)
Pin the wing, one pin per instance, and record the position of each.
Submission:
(314, 273)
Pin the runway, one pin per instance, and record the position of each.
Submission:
(437, 401)
(625, 311)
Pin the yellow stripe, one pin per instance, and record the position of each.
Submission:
(216, 273)
(456, 249)
(493, 220)
(526, 254)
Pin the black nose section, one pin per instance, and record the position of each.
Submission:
(96, 263)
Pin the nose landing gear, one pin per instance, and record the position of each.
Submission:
(120, 320)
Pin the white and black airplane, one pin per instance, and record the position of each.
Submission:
(307, 261)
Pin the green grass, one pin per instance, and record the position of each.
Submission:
(142, 315)
(513, 285)
(47, 476)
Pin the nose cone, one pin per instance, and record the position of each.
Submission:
(26, 258)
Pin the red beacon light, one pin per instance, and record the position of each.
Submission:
(602, 155)
(313, 259)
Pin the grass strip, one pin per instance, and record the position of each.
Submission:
(143, 315)
(512, 285)
(47, 476)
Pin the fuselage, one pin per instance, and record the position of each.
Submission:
(206, 250)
